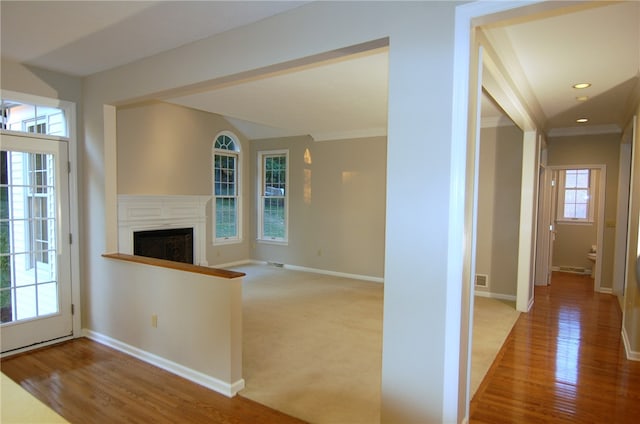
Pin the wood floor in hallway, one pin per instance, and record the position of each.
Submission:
(563, 362)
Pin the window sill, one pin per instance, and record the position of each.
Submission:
(226, 242)
(275, 242)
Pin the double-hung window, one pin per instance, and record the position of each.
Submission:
(273, 195)
(226, 189)
(575, 199)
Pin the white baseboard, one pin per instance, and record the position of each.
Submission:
(305, 269)
(498, 296)
(229, 390)
(232, 264)
(572, 269)
(335, 274)
(605, 290)
(631, 355)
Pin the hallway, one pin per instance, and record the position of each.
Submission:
(564, 361)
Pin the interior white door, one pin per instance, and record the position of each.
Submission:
(35, 286)
(553, 205)
(546, 227)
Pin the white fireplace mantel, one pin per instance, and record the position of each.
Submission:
(153, 212)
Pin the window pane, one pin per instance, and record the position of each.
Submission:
(581, 211)
(582, 178)
(576, 194)
(47, 298)
(570, 179)
(225, 142)
(226, 223)
(273, 218)
(22, 117)
(570, 210)
(582, 196)
(26, 302)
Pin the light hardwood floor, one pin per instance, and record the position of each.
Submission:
(563, 362)
(88, 383)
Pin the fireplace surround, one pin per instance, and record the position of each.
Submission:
(141, 213)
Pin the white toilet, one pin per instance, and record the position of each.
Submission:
(592, 255)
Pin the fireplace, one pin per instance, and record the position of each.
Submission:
(174, 244)
(152, 218)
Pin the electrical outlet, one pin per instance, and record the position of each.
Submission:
(319, 252)
(154, 321)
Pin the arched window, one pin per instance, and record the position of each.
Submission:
(226, 188)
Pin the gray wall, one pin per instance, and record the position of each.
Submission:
(600, 149)
(40, 82)
(500, 176)
(166, 149)
(336, 205)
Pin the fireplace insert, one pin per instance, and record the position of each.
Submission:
(175, 244)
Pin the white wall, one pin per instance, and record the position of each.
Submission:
(420, 357)
(631, 310)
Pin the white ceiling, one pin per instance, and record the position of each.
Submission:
(596, 44)
(544, 55)
(84, 37)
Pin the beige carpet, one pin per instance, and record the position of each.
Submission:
(312, 343)
(493, 319)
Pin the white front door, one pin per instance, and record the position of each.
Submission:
(35, 276)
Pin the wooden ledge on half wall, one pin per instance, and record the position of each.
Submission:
(181, 266)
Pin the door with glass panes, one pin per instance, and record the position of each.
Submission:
(35, 280)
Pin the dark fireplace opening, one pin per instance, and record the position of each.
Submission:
(171, 244)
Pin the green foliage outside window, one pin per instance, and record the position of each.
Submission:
(5, 264)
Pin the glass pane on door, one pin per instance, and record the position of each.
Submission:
(28, 267)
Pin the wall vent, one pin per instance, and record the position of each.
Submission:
(482, 280)
(276, 264)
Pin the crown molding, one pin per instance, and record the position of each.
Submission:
(592, 130)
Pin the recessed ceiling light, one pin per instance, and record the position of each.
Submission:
(582, 85)
(582, 98)
(582, 120)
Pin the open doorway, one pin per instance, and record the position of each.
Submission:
(572, 211)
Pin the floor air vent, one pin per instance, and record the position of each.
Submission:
(482, 280)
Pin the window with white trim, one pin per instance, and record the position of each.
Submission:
(273, 171)
(226, 189)
(575, 199)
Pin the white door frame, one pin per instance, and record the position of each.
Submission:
(597, 281)
(546, 227)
